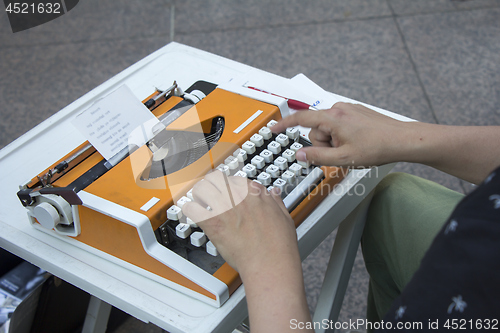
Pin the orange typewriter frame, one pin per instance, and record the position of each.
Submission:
(121, 185)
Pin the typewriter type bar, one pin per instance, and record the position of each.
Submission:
(130, 212)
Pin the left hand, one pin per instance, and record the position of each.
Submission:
(248, 225)
(254, 233)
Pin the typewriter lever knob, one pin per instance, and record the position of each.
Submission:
(194, 96)
(47, 215)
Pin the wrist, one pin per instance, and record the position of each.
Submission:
(412, 143)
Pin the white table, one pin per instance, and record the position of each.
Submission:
(143, 298)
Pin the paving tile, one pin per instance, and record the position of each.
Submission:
(405, 7)
(411, 7)
(364, 60)
(458, 57)
(314, 268)
(36, 82)
(93, 20)
(355, 300)
(472, 4)
(202, 16)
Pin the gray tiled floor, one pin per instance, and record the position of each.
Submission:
(432, 60)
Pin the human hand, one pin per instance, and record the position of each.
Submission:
(248, 225)
(348, 135)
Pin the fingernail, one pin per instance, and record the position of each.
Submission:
(301, 156)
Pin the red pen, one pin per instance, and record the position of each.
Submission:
(292, 103)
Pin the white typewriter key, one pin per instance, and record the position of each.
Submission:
(249, 147)
(257, 139)
(174, 213)
(266, 133)
(281, 163)
(296, 169)
(264, 178)
(282, 139)
(258, 161)
(189, 194)
(305, 164)
(280, 183)
(274, 147)
(303, 188)
(182, 201)
(240, 173)
(231, 162)
(242, 156)
(272, 123)
(293, 133)
(211, 249)
(198, 238)
(270, 188)
(183, 230)
(273, 170)
(236, 152)
(288, 176)
(296, 146)
(307, 171)
(257, 181)
(224, 169)
(250, 170)
(267, 155)
(191, 222)
(289, 155)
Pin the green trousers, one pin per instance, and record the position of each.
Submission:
(405, 215)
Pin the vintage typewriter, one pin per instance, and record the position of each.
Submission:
(130, 213)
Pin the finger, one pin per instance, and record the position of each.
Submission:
(239, 188)
(196, 212)
(206, 194)
(218, 179)
(320, 138)
(328, 156)
(224, 198)
(311, 119)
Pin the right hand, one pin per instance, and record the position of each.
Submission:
(348, 135)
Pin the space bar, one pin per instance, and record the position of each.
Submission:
(303, 189)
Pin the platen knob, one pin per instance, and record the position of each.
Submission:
(46, 215)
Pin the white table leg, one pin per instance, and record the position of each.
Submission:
(340, 266)
(97, 317)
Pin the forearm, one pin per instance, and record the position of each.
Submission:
(467, 152)
(352, 135)
(276, 298)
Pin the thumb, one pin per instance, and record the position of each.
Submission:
(327, 156)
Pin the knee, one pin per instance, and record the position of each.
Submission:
(389, 193)
(389, 202)
(393, 184)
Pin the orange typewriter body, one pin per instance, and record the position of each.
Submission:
(124, 186)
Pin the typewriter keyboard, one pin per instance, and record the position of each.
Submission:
(266, 158)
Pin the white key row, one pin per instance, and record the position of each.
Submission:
(198, 238)
(241, 154)
(292, 132)
(184, 230)
(274, 146)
